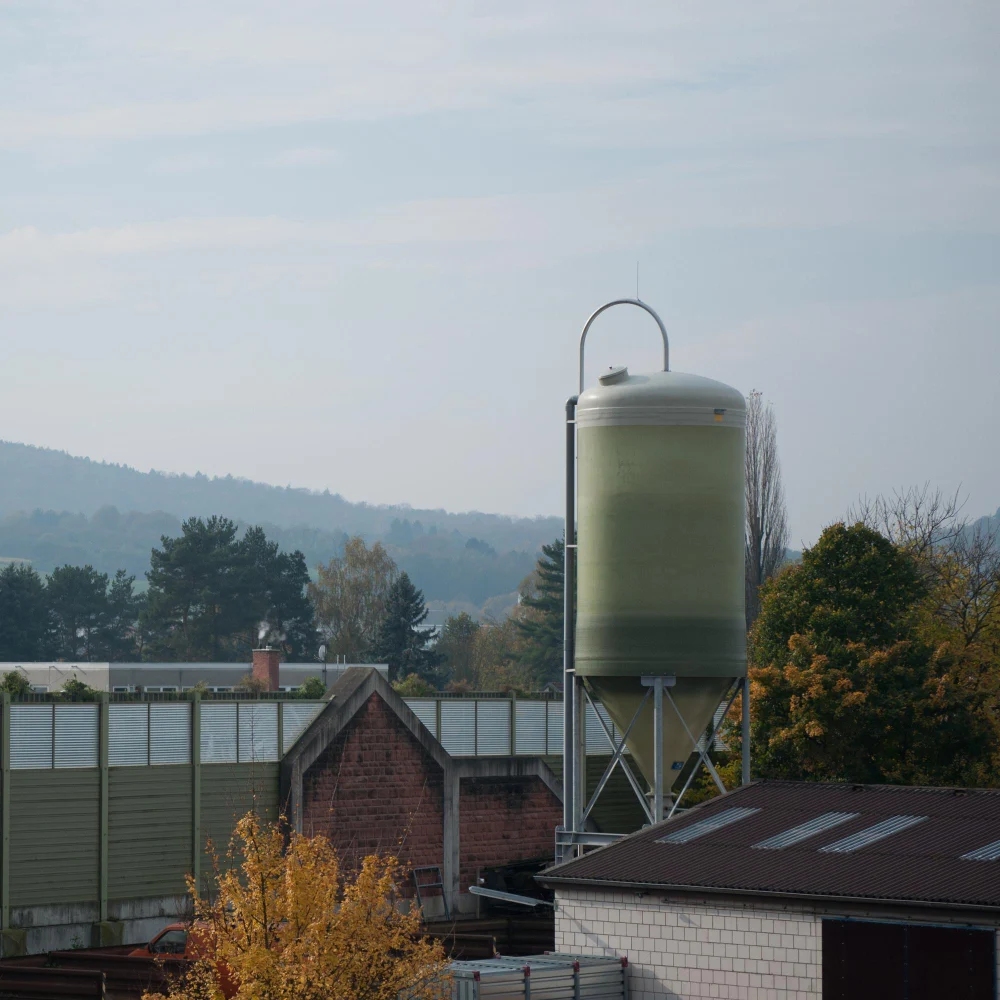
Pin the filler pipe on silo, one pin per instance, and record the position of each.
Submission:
(570, 808)
(625, 302)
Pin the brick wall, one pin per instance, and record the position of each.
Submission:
(375, 788)
(504, 820)
(688, 952)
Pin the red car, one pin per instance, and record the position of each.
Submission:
(185, 942)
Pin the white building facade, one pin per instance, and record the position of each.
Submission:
(695, 950)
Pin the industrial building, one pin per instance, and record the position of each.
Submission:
(371, 777)
(169, 678)
(785, 890)
(108, 805)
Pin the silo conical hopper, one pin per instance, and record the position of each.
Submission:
(660, 586)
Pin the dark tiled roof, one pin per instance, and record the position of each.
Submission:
(922, 863)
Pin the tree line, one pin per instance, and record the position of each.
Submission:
(214, 594)
(210, 591)
(452, 567)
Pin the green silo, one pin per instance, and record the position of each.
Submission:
(660, 585)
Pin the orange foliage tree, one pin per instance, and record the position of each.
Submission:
(286, 922)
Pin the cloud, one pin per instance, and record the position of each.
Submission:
(524, 230)
(310, 156)
(638, 72)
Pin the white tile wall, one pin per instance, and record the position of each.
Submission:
(688, 952)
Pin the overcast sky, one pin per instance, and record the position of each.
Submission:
(351, 246)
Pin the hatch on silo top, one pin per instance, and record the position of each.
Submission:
(615, 374)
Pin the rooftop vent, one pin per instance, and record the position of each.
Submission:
(702, 827)
(894, 824)
(805, 830)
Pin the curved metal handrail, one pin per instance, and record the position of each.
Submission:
(626, 302)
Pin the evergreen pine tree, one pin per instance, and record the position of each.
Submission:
(23, 614)
(542, 627)
(401, 642)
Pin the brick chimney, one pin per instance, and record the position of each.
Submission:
(265, 667)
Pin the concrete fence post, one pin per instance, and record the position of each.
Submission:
(103, 736)
(106, 932)
(196, 787)
(5, 816)
(451, 862)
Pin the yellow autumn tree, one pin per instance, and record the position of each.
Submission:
(284, 922)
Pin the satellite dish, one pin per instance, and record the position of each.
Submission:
(321, 655)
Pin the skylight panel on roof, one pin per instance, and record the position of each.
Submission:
(805, 830)
(991, 852)
(894, 824)
(704, 826)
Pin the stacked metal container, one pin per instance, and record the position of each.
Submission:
(553, 976)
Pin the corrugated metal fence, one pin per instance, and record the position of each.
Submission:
(50, 735)
(117, 800)
(490, 727)
(140, 734)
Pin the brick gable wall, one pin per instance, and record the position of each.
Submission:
(375, 788)
(504, 820)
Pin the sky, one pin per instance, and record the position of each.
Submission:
(352, 246)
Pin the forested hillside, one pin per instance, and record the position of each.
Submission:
(56, 509)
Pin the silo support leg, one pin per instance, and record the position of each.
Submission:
(658, 683)
(579, 751)
(745, 687)
(658, 749)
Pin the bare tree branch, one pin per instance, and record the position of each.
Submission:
(960, 561)
(766, 513)
(914, 518)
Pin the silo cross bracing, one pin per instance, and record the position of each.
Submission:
(660, 552)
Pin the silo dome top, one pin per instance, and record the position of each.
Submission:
(661, 398)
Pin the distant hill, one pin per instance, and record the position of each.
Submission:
(56, 508)
(989, 525)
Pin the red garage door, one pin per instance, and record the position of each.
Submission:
(863, 960)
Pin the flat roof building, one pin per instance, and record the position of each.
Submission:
(166, 677)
